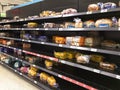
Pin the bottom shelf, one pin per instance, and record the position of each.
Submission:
(35, 82)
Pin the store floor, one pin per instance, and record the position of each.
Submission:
(10, 81)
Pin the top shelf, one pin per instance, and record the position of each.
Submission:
(63, 16)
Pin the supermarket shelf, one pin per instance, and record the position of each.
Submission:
(25, 76)
(27, 20)
(39, 29)
(65, 29)
(63, 16)
(91, 13)
(109, 74)
(89, 29)
(58, 75)
(112, 51)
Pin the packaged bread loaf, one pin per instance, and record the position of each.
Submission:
(51, 81)
(69, 25)
(89, 24)
(104, 23)
(107, 66)
(59, 39)
(32, 25)
(84, 59)
(44, 77)
(78, 23)
(97, 58)
(90, 41)
(93, 7)
(110, 44)
(48, 64)
(26, 46)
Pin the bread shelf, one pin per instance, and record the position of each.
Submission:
(64, 16)
(56, 74)
(91, 49)
(88, 68)
(63, 29)
(26, 77)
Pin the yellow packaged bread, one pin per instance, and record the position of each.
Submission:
(48, 64)
(97, 58)
(32, 25)
(44, 76)
(60, 55)
(51, 81)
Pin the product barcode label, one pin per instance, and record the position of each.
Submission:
(104, 10)
(96, 71)
(118, 76)
(93, 50)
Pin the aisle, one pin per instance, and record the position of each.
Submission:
(10, 81)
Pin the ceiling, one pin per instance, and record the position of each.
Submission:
(4, 2)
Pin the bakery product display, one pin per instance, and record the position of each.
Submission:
(84, 59)
(110, 44)
(51, 81)
(93, 7)
(104, 23)
(90, 41)
(97, 58)
(69, 11)
(69, 25)
(78, 23)
(107, 65)
(89, 24)
(48, 64)
(59, 39)
(32, 72)
(44, 77)
(32, 25)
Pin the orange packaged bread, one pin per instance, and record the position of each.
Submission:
(59, 40)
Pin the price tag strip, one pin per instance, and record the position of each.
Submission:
(77, 83)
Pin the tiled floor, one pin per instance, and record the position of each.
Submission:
(10, 81)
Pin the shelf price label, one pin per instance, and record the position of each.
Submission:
(62, 61)
(93, 50)
(46, 28)
(119, 29)
(60, 29)
(118, 76)
(104, 10)
(42, 42)
(37, 28)
(60, 45)
(20, 74)
(96, 70)
(89, 12)
(35, 82)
